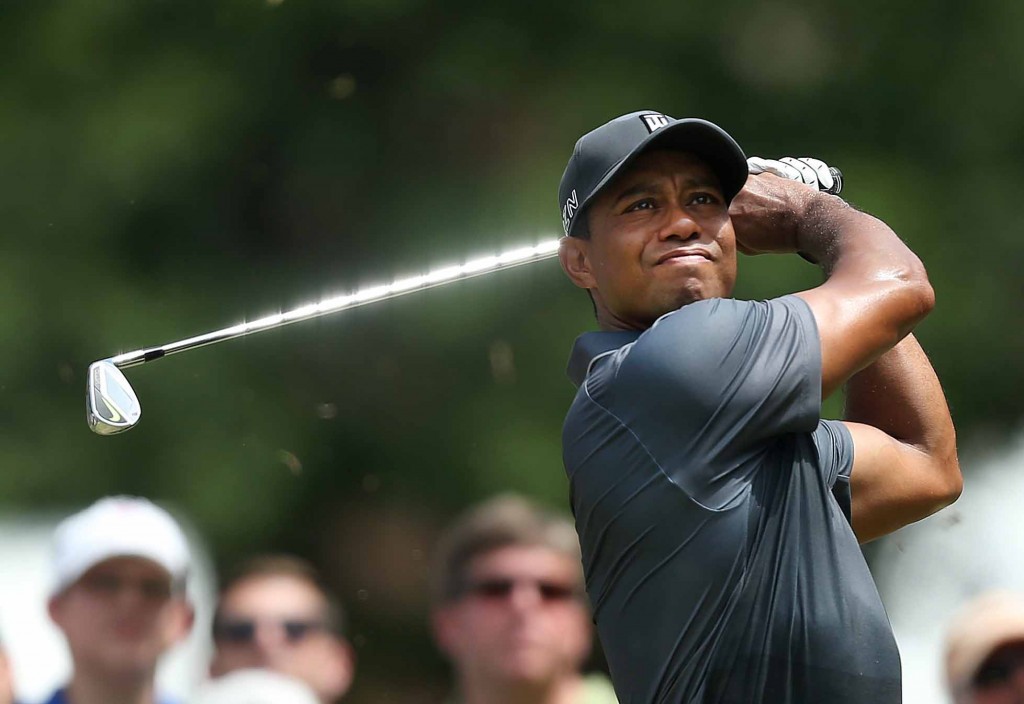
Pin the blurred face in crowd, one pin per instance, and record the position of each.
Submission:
(520, 618)
(1000, 679)
(281, 623)
(659, 237)
(120, 617)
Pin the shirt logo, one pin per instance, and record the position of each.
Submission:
(569, 210)
(654, 121)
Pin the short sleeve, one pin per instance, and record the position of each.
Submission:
(834, 444)
(716, 383)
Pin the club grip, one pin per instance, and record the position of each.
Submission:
(837, 181)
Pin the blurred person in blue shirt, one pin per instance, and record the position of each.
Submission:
(119, 598)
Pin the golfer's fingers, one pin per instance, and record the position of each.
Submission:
(807, 173)
(773, 166)
(825, 178)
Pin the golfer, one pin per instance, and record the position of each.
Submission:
(719, 515)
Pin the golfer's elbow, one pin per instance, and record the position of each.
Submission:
(948, 483)
(954, 485)
(908, 283)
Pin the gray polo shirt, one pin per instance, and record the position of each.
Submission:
(712, 505)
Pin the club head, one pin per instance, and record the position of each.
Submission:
(111, 404)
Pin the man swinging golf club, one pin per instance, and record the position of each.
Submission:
(719, 515)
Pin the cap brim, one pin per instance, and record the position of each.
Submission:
(89, 559)
(705, 139)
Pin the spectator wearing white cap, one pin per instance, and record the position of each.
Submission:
(985, 651)
(119, 598)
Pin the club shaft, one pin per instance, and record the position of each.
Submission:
(439, 277)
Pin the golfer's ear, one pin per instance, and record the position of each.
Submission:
(573, 255)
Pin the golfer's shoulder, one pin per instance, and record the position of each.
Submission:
(704, 344)
(716, 324)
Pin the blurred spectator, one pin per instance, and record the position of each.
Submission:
(985, 651)
(119, 598)
(510, 610)
(255, 687)
(6, 680)
(276, 613)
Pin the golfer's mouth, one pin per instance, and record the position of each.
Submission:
(685, 255)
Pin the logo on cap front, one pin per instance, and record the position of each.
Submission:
(655, 121)
(569, 210)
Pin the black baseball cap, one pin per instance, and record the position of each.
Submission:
(601, 154)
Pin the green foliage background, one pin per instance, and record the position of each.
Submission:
(172, 167)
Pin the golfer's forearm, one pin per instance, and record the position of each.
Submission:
(900, 395)
(876, 292)
(847, 242)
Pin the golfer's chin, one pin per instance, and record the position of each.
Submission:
(640, 312)
(691, 291)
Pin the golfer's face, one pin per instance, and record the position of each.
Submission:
(660, 237)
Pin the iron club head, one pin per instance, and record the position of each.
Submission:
(111, 404)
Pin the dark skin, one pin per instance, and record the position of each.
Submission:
(662, 236)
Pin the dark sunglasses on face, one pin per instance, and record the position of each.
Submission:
(500, 588)
(105, 584)
(242, 631)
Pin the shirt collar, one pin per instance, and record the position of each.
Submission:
(590, 345)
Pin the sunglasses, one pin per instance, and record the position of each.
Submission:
(242, 631)
(107, 584)
(501, 589)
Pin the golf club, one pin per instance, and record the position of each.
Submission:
(113, 407)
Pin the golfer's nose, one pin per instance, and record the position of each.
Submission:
(680, 225)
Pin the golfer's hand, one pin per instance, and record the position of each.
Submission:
(807, 170)
(766, 214)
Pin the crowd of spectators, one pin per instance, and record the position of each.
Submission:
(508, 611)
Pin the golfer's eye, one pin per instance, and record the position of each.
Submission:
(704, 198)
(642, 204)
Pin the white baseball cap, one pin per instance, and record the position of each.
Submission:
(117, 526)
(255, 687)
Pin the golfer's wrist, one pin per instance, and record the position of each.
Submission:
(820, 226)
